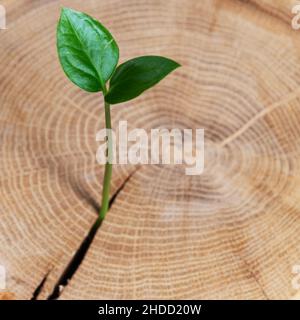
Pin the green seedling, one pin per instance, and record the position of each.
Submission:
(89, 56)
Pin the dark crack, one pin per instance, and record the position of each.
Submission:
(81, 252)
(115, 195)
(40, 287)
(75, 262)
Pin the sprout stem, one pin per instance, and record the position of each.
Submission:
(108, 165)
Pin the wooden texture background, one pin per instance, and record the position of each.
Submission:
(233, 232)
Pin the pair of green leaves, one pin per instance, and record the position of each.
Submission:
(89, 56)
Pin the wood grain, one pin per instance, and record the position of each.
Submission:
(232, 232)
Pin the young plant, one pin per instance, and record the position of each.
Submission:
(89, 56)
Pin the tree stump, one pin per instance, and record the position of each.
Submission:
(232, 232)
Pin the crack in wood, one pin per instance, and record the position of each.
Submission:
(81, 252)
(40, 287)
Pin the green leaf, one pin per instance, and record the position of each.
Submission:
(87, 51)
(137, 75)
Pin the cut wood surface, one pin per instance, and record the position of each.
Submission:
(232, 232)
